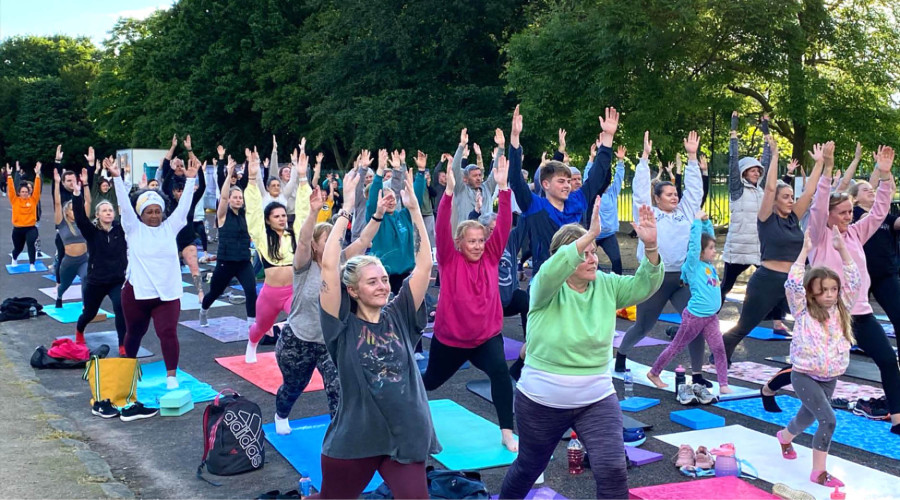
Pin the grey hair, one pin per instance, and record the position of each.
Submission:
(487, 218)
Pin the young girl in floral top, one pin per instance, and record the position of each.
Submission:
(820, 302)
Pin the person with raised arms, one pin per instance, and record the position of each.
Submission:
(74, 262)
(24, 205)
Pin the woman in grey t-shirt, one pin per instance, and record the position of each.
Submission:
(383, 422)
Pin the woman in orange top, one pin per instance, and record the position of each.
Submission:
(24, 204)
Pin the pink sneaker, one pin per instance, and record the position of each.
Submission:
(825, 479)
(685, 456)
(787, 449)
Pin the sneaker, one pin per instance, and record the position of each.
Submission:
(634, 436)
(419, 356)
(872, 409)
(703, 395)
(785, 492)
(703, 459)
(13, 262)
(137, 411)
(204, 317)
(105, 409)
(840, 404)
(685, 456)
(59, 303)
(32, 268)
(686, 395)
(826, 479)
(620, 363)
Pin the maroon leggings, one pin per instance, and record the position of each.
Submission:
(138, 314)
(347, 478)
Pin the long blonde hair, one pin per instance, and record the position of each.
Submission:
(318, 230)
(819, 313)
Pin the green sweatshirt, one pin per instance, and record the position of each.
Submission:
(571, 333)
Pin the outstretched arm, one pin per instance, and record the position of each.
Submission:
(222, 209)
(304, 239)
(330, 291)
(768, 201)
(420, 278)
(809, 189)
(57, 207)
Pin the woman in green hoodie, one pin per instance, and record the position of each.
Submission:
(573, 305)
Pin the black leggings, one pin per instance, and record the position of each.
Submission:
(444, 361)
(221, 278)
(732, 271)
(200, 230)
(765, 291)
(518, 304)
(22, 236)
(610, 245)
(870, 337)
(92, 296)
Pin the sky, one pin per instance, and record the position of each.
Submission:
(92, 18)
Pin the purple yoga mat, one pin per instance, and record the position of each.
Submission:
(644, 342)
(511, 347)
(642, 457)
(543, 493)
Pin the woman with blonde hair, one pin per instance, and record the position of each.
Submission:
(74, 262)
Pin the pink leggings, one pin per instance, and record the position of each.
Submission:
(270, 301)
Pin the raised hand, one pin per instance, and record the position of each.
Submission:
(91, 159)
(303, 144)
(382, 160)
(408, 195)
(704, 163)
(229, 167)
(836, 175)
(56, 177)
(395, 159)
(38, 165)
(113, 168)
(516, 128)
(383, 201)
(828, 151)
(476, 148)
(451, 182)
(499, 138)
(421, 160)
(595, 227)
(701, 215)
(221, 150)
(691, 144)
(611, 123)
(773, 145)
(734, 121)
(817, 153)
(319, 158)
(59, 153)
(501, 173)
(274, 142)
(316, 200)
(266, 162)
(837, 239)
(857, 155)
(792, 165)
(187, 142)
(84, 176)
(351, 179)
(302, 164)
(143, 182)
(620, 152)
(193, 168)
(478, 201)
(648, 146)
(543, 158)
(562, 140)
(294, 156)
(463, 137)
(646, 227)
(669, 167)
(807, 242)
(252, 163)
(174, 142)
(885, 159)
(365, 158)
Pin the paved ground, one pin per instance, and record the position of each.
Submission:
(158, 457)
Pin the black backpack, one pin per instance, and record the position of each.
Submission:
(232, 436)
(18, 308)
(444, 484)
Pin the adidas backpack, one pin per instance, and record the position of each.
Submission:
(232, 436)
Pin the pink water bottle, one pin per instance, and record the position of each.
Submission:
(576, 455)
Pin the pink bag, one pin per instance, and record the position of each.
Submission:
(67, 349)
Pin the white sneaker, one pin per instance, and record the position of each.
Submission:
(171, 383)
(13, 262)
(32, 268)
(204, 317)
(250, 354)
(282, 425)
(419, 356)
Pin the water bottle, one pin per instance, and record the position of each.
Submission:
(32, 312)
(680, 378)
(304, 484)
(629, 383)
(575, 451)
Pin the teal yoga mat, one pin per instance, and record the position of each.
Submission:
(25, 268)
(152, 385)
(468, 441)
(852, 430)
(758, 333)
(302, 448)
(70, 311)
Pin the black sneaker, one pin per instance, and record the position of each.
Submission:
(105, 409)
(620, 363)
(137, 411)
(840, 404)
(872, 409)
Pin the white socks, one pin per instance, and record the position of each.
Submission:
(250, 355)
(204, 317)
(171, 382)
(282, 425)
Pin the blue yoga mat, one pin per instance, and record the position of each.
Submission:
(852, 430)
(25, 268)
(758, 333)
(52, 278)
(152, 385)
(468, 441)
(70, 311)
(302, 448)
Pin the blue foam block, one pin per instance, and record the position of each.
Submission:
(758, 333)
(152, 385)
(25, 268)
(302, 448)
(697, 419)
(852, 430)
(638, 403)
(70, 311)
(52, 278)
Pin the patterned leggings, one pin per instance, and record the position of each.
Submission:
(691, 328)
(297, 359)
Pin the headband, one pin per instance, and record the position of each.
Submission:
(149, 198)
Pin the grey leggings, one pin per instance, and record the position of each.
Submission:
(297, 359)
(648, 312)
(816, 398)
(70, 267)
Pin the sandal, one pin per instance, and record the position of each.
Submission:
(826, 479)
(787, 450)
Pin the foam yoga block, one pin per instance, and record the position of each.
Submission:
(759, 373)
(265, 373)
(852, 430)
(641, 456)
(94, 340)
(302, 448)
(39, 267)
(468, 440)
(73, 293)
(152, 385)
(638, 403)
(225, 329)
(175, 403)
(762, 451)
(714, 488)
(70, 311)
(758, 333)
(543, 493)
(639, 372)
(697, 419)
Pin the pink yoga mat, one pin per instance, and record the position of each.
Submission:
(716, 488)
(265, 373)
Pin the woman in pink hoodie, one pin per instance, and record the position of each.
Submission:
(469, 315)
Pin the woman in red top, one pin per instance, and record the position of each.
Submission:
(469, 313)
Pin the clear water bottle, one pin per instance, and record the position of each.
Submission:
(575, 451)
(629, 383)
(32, 312)
(305, 484)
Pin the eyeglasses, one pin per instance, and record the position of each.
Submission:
(840, 195)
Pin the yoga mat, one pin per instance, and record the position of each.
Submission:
(762, 451)
(70, 311)
(857, 350)
(543, 493)
(423, 363)
(759, 373)
(856, 368)
(511, 347)
(265, 373)
(23, 257)
(39, 267)
(302, 448)
(469, 441)
(889, 330)
(631, 423)
(482, 388)
(73, 293)
(225, 329)
(644, 342)
(152, 385)
(190, 302)
(714, 488)
(758, 333)
(852, 430)
(639, 372)
(239, 287)
(94, 340)
(642, 457)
